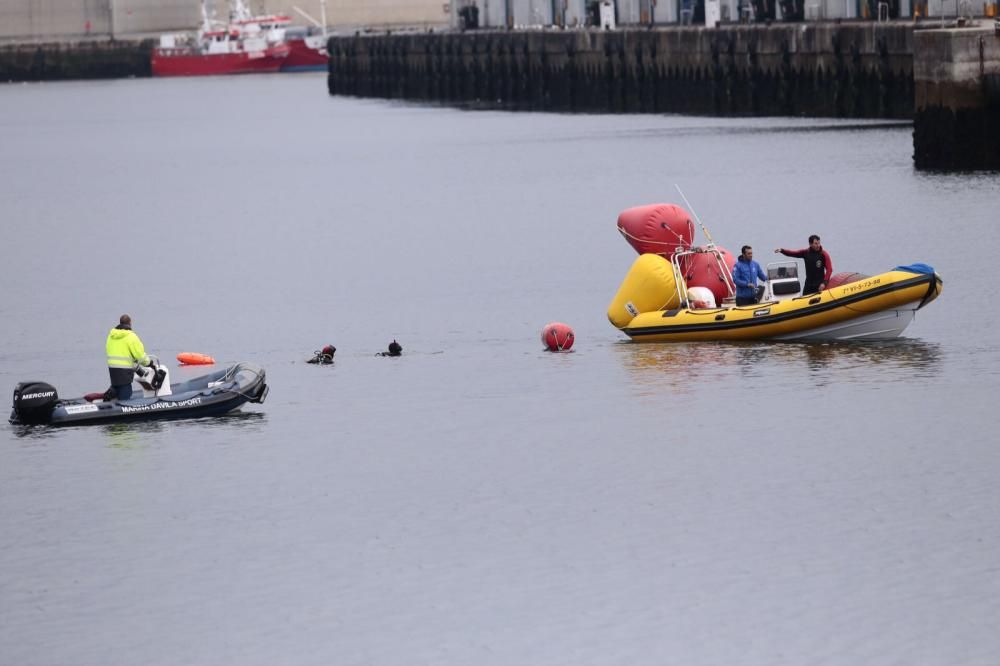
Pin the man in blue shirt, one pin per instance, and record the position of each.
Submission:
(745, 274)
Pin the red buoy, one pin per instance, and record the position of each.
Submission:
(657, 228)
(194, 358)
(557, 337)
(703, 270)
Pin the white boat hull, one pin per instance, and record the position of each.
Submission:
(884, 325)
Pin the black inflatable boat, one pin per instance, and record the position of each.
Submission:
(38, 403)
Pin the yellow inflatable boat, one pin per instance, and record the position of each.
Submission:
(653, 305)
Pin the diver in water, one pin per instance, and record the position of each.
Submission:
(395, 349)
(323, 356)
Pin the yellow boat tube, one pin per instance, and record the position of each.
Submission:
(650, 285)
(875, 308)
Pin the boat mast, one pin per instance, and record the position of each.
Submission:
(704, 230)
(238, 11)
(206, 24)
(322, 8)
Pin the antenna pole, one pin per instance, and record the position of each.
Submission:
(704, 230)
(723, 269)
(308, 17)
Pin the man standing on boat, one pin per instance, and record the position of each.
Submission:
(819, 266)
(125, 350)
(745, 274)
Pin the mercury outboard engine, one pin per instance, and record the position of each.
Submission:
(33, 403)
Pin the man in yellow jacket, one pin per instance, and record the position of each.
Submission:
(124, 350)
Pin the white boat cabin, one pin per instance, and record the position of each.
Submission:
(782, 281)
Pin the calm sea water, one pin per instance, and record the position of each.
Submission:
(479, 501)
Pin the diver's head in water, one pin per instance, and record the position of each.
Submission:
(395, 349)
(324, 356)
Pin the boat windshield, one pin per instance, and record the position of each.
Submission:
(782, 271)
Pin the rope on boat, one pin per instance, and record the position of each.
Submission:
(652, 242)
(231, 373)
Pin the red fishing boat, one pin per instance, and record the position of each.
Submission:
(246, 44)
(307, 52)
(235, 57)
(307, 44)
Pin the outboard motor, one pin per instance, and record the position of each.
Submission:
(33, 403)
(155, 380)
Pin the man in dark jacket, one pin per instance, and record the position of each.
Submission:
(819, 266)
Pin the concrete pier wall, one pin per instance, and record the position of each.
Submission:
(859, 70)
(75, 60)
(69, 20)
(956, 124)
